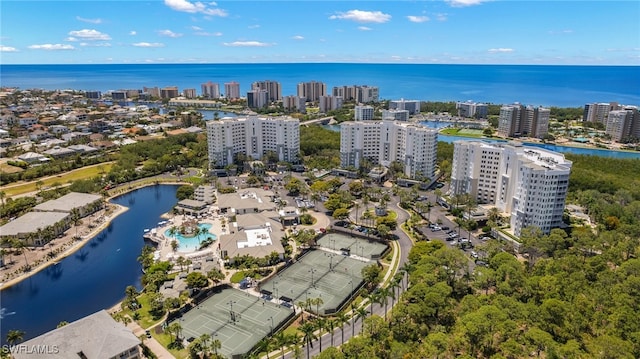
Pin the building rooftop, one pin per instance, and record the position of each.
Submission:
(260, 240)
(31, 222)
(95, 336)
(68, 202)
(253, 198)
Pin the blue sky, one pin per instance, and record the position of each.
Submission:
(453, 31)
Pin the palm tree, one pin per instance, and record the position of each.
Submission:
(317, 301)
(173, 232)
(22, 247)
(15, 336)
(302, 304)
(341, 319)
(321, 325)
(308, 330)
(331, 326)
(264, 346)
(385, 292)
(75, 218)
(176, 329)
(361, 313)
(281, 340)
(373, 298)
(215, 346)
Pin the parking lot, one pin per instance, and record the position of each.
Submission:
(456, 237)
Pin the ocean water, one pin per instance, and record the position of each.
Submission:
(545, 85)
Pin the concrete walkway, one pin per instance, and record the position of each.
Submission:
(151, 343)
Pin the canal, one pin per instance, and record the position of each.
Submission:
(91, 279)
(557, 148)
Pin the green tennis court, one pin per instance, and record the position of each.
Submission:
(361, 247)
(318, 274)
(237, 319)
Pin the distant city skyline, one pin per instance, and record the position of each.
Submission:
(431, 32)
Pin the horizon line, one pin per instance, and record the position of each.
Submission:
(313, 62)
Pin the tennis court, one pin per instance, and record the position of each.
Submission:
(237, 319)
(318, 274)
(358, 246)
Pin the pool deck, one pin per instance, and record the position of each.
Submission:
(165, 252)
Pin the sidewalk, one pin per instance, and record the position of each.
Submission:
(151, 343)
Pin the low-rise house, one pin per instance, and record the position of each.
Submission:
(59, 152)
(59, 129)
(95, 336)
(39, 135)
(32, 158)
(82, 149)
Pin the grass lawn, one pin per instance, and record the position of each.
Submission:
(61, 179)
(450, 131)
(7, 168)
(470, 132)
(146, 320)
(165, 339)
(466, 132)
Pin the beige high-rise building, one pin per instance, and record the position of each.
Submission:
(523, 121)
(210, 90)
(273, 88)
(232, 90)
(329, 103)
(624, 125)
(189, 93)
(169, 92)
(312, 90)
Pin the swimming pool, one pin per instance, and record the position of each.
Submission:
(191, 244)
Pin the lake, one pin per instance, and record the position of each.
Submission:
(94, 277)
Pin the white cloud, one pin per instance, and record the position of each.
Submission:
(441, 17)
(364, 28)
(52, 47)
(246, 44)
(298, 37)
(168, 33)
(254, 26)
(204, 33)
(133, 33)
(463, 3)
(500, 50)
(196, 28)
(417, 18)
(148, 44)
(91, 21)
(196, 7)
(561, 32)
(95, 44)
(8, 49)
(362, 16)
(87, 35)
